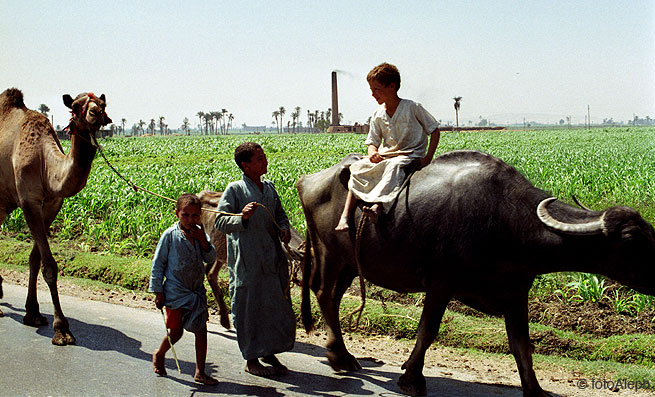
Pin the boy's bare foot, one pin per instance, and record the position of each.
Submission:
(372, 212)
(158, 364)
(277, 365)
(343, 224)
(205, 379)
(256, 368)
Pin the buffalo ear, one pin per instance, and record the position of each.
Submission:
(68, 101)
(102, 98)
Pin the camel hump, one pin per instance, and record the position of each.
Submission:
(12, 98)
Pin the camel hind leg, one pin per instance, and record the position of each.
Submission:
(3, 215)
(212, 278)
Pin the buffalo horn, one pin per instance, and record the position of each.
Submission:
(592, 227)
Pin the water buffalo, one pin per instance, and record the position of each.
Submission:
(467, 226)
(210, 201)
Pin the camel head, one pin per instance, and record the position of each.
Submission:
(88, 111)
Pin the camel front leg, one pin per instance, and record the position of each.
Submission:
(39, 222)
(518, 335)
(338, 356)
(412, 382)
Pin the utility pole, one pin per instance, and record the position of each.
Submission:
(589, 116)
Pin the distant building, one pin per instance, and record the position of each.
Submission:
(357, 128)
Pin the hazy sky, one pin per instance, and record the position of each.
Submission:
(543, 60)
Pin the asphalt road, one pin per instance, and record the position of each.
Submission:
(114, 349)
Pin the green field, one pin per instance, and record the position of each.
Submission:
(602, 167)
(108, 232)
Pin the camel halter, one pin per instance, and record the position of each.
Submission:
(70, 128)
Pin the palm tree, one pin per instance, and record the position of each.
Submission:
(200, 115)
(216, 116)
(123, 125)
(185, 125)
(151, 127)
(224, 114)
(294, 116)
(208, 122)
(275, 115)
(230, 117)
(161, 125)
(282, 112)
(220, 122)
(457, 99)
(141, 125)
(44, 109)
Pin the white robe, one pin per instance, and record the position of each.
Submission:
(400, 140)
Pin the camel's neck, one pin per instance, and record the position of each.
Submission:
(66, 174)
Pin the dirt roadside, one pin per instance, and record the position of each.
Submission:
(446, 362)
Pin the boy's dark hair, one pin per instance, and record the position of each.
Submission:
(187, 199)
(244, 152)
(385, 74)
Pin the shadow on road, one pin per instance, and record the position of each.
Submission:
(103, 338)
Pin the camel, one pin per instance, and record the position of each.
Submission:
(36, 175)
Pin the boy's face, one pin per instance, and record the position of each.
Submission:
(382, 93)
(257, 166)
(189, 216)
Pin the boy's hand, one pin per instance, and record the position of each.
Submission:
(375, 157)
(248, 210)
(159, 300)
(196, 232)
(285, 236)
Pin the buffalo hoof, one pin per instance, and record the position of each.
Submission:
(1, 314)
(63, 338)
(412, 385)
(536, 393)
(343, 362)
(35, 320)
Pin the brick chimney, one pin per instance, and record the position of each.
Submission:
(335, 101)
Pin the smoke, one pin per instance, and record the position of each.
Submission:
(346, 73)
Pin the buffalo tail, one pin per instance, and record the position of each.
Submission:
(306, 306)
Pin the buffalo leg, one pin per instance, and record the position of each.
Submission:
(518, 335)
(212, 278)
(412, 382)
(337, 354)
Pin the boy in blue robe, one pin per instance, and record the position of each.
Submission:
(259, 271)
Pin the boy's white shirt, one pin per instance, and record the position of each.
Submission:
(400, 140)
(406, 133)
